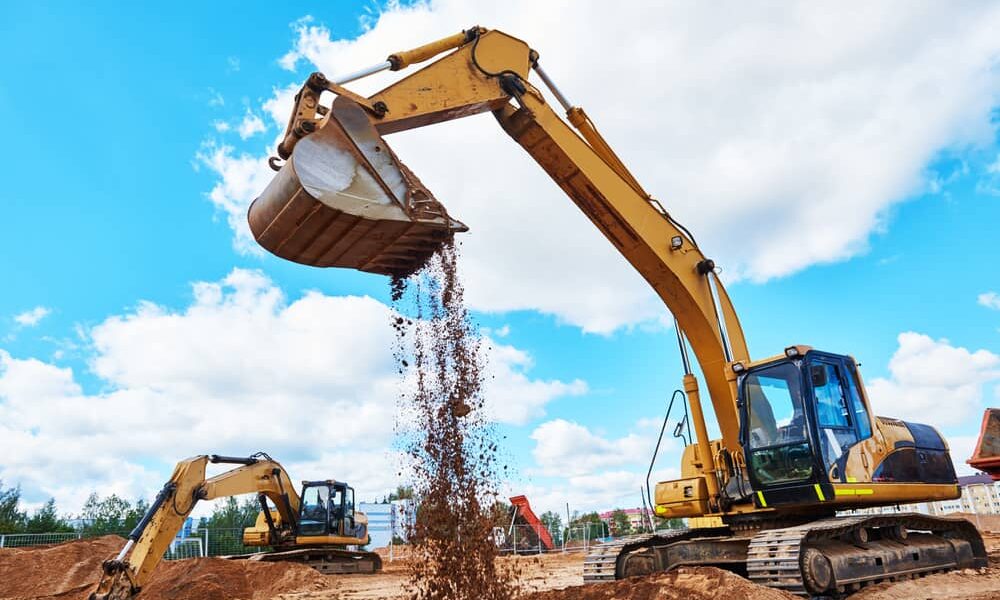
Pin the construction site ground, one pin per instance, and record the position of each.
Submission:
(69, 571)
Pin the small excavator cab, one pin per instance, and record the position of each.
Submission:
(327, 509)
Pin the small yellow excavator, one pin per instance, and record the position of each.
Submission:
(314, 527)
(799, 441)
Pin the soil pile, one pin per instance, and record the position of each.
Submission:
(222, 579)
(70, 571)
(447, 438)
(698, 583)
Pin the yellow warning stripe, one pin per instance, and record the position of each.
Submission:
(854, 492)
(760, 496)
(819, 492)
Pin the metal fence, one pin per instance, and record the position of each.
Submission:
(199, 543)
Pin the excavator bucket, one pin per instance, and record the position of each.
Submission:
(343, 199)
(986, 456)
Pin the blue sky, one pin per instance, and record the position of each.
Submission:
(849, 185)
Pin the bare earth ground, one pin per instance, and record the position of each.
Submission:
(69, 571)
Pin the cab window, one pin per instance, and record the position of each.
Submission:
(336, 509)
(860, 414)
(831, 402)
(315, 507)
(779, 447)
(833, 412)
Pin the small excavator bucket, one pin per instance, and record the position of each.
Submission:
(343, 199)
(986, 456)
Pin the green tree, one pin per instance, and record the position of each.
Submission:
(403, 492)
(620, 525)
(553, 522)
(47, 520)
(587, 525)
(113, 514)
(234, 513)
(12, 518)
(227, 522)
(500, 514)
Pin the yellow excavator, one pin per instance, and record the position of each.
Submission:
(313, 527)
(799, 441)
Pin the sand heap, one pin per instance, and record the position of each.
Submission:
(697, 583)
(447, 438)
(71, 570)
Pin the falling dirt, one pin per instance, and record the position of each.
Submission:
(447, 438)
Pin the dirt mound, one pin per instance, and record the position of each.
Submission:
(221, 579)
(67, 570)
(700, 583)
(71, 570)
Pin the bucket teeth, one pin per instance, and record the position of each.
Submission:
(343, 199)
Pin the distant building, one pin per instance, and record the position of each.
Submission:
(387, 520)
(636, 517)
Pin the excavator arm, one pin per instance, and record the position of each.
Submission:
(380, 225)
(125, 575)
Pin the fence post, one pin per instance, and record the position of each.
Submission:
(2, 538)
(515, 539)
(208, 549)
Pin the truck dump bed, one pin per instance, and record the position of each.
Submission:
(986, 456)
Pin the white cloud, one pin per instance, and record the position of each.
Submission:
(775, 129)
(221, 126)
(593, 472)
(989, 300)
(215, 99)
(30, 318)
(934, 382)
(515, 398)
(240, 369)
(250, 126)
(241, 178)
(564, 448)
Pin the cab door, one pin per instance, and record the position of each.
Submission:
(841, 417)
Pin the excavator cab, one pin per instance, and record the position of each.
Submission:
(801, 416)
(327, 509)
